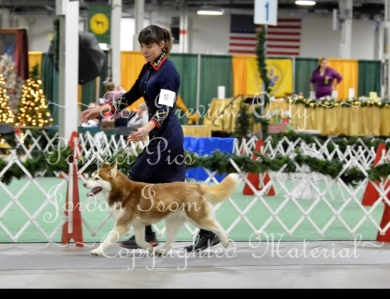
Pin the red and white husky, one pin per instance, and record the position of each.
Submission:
(139, 204)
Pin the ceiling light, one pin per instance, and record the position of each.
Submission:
(305, 2)
(210, 12)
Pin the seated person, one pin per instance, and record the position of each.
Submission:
(111, 90)
(140, 118)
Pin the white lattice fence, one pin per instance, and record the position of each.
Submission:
(300, 199)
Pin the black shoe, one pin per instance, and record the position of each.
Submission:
(203, 241)
(130, 243)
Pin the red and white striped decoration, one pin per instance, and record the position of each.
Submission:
(282, 40)
(243, 43)
(285, 38)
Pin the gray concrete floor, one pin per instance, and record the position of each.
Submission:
(320, 264)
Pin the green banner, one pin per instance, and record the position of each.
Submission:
(99, 22)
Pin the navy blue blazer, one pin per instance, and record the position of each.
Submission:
(162, 161)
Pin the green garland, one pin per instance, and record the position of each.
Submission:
(311, 103)
(218, 161)
(245, 120)
(32, 165)
(262, 68)
(340, 142)
(242, 127)
(261, 60)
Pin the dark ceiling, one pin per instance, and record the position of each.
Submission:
(372, 7)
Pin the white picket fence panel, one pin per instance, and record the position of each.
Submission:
(295, 187)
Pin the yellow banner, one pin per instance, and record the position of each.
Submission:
(348, 69)
(131, 65)
(279, 73)
(33, 59)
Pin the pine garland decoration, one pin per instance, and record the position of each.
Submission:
(262, 67)
(220, 161)
(243, 126)
(217, 161)
(261, 60)
(329, 104)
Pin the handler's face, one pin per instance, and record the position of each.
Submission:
(152, 51)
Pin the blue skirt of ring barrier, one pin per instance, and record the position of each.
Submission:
(204, 146)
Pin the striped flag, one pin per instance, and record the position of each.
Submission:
(282, 40)
(285, 38)
(242, 38)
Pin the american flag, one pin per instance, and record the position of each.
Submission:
(282, 40)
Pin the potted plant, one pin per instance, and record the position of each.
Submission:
(276, 115)
(286, 117)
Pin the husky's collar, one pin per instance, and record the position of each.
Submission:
(156, 64)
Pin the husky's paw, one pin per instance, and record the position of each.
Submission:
(150, 249)
(161, 252)
(225, 243)
(96, 252)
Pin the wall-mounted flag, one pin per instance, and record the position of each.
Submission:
(281, 40)
(99, 22)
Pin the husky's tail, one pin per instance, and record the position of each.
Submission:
(221, 191)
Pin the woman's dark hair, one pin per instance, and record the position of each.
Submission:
(154, 35)
(319, 62)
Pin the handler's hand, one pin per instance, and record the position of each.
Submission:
(137, 135)
(92, 113)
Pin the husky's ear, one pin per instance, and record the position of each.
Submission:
(105, 164)
(114, 171)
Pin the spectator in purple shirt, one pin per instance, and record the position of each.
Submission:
(324, 79)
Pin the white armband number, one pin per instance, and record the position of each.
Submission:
(167, 97)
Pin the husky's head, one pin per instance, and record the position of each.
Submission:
(101, 179)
